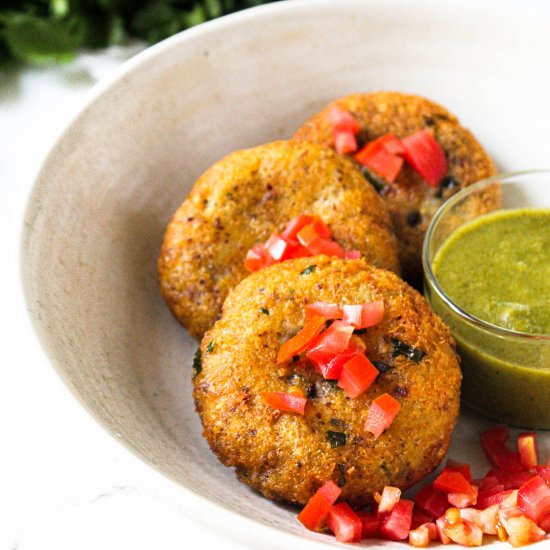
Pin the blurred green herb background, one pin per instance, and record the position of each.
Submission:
(51, 31)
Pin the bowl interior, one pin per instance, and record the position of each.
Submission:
(97, 214)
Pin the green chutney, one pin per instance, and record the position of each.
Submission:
(497, 268)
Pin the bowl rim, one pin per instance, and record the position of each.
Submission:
(431, 279)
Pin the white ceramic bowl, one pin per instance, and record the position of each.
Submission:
(100, 204)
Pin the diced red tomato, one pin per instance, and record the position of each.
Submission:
(484, 501)
(426, 156)
(419, 518)
(464, 469)
(493, 442)
(397, 524)
(511, 480)
(298, 343)
(285, 401)
(307, 235)
(257, 258)
(528, 451)
(392, 144)
(332, 341)
(276, 246)
(423, 535)
(345, 142)
(534, 498)
(463, 500)
(324, 309)
(382, 413)
(388, 499)
(357, 375)
(520, 529)
(464, 532)
(330, 366)
(440, 524)
(352, 314)
(344, 523)
(341, 119)
(296, 224)
(451, 482)
(327, 247)
(486, 519)
(316, 510)
(365, 315)
(544, 472)
(375, 156)
(431, 502)
(370, 524)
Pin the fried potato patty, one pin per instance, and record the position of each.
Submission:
(287, 456)
(246, 197)
(411, 201)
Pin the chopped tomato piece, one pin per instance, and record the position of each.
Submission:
(544, 472)
(511, 480)
(296, 224)
(257, 258)
(357, 376)
(344, 523)
(426, 156)
(484, 501)
(534, 498)
(327, 247)
(332, 341)
(376, 157)
(298, 343)
(330, 366)
(276, 246)
(365, 315)
(345, 142)
(294, 250)
(341, 119)
(464, 532)
(387, 500)
(307, 235)
(520, 529)
(285, 401)
(423, 535)
(381, 414)
(431, 502)
(370, 524)
(464, 469)
(440, 524)
(486, 519)
(493, 442)
(397, 524)
(528, 451)
(316, 510)
(451, 482)
(462, 500)
(392, 144)
(352, 314)
(324, 309)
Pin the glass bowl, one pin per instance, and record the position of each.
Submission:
(506, 374)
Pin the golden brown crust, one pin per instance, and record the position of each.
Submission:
(247, 196)
(379, 113)
(288, 457)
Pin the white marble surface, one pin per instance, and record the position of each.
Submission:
(64, 483)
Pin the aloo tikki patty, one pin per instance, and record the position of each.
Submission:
(246, 197)
(411, 202)
(287, 456)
